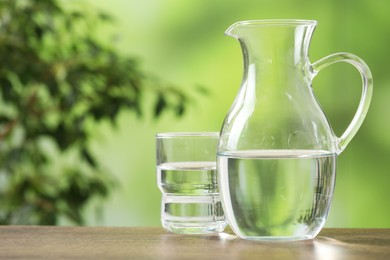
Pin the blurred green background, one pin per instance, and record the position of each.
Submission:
(183, 42)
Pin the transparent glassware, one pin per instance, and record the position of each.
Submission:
(187, 179)
(277, 151)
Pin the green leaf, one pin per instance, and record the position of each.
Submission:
(160, 105)
(88, 157)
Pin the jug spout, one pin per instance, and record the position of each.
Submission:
(274, 41)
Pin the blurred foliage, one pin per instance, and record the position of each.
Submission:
(57, 80)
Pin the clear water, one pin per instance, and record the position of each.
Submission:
(190, 203)
(277, 194)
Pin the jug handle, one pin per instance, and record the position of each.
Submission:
(365, 99)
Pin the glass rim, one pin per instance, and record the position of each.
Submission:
(276, 22)
(187, 134)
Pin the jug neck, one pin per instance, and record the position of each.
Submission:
(274, 43)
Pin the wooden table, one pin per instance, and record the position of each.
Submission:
(32, 242)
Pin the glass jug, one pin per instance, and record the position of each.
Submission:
(277, 152)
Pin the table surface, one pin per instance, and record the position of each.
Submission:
(155, 243)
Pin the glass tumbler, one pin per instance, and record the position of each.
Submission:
(187, 178)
